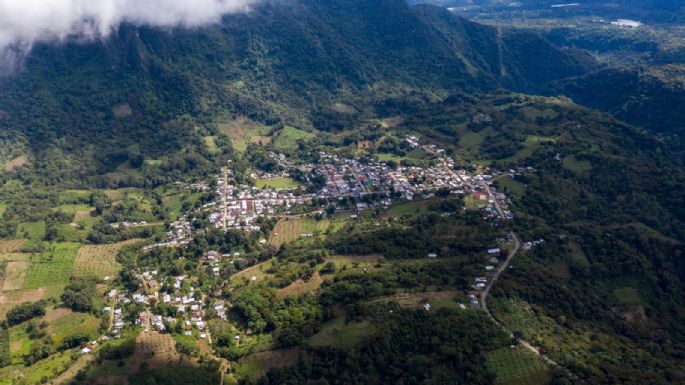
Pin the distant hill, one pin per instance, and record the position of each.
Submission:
(652, 97)
(284, 61)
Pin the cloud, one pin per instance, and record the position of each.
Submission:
(26, 22)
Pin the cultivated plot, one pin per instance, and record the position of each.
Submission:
(98, 261)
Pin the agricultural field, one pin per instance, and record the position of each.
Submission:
(300, 287)
(288, 137)
(98, 261)
(63, 323)
(52, 268)
(155, 350)
(277, 183)
(290, 230)
(15, 275)
(519, 317)
(242, 132)
(9, 299)
(517, 366)
(20, 344)
(119, 194)
(11, 246)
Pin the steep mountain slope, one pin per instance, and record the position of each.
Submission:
(285, 61)
(651, 97)
(603, 294)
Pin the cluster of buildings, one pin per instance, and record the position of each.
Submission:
(530, 244)
(180, 233)
(239, 206)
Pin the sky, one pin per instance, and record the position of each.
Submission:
(26, 22)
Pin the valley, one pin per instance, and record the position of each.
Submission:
(348, 192)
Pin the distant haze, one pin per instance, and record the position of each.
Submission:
(26, 22)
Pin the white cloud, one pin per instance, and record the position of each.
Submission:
(25, 22)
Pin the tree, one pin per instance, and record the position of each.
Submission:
(79, 295)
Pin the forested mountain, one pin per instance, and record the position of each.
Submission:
(651, 97)
(285, 61)
(368, 150)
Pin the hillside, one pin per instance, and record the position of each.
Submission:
(605, 198)
(651, 97)
(284, 62)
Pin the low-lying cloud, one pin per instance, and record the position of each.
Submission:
(26, 22)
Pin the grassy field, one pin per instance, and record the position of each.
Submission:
(119, 194)
(288, 137)
(15, 275)
(472, 203)
(532, 113)
(436, 299)
(73, 196)
(517, 366)
(73, 208)
(31, 230)
(338, 333)
(471, 139)
(38, 373)
(537, 139)
(300, 287)
(62, 324)
(407, 208)
(627, 296)
(277, 183)
(98, 260)
(578, 166)
(211, 144)
(256, 365)
(511, 187)
(383, 157)
(20, 344)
